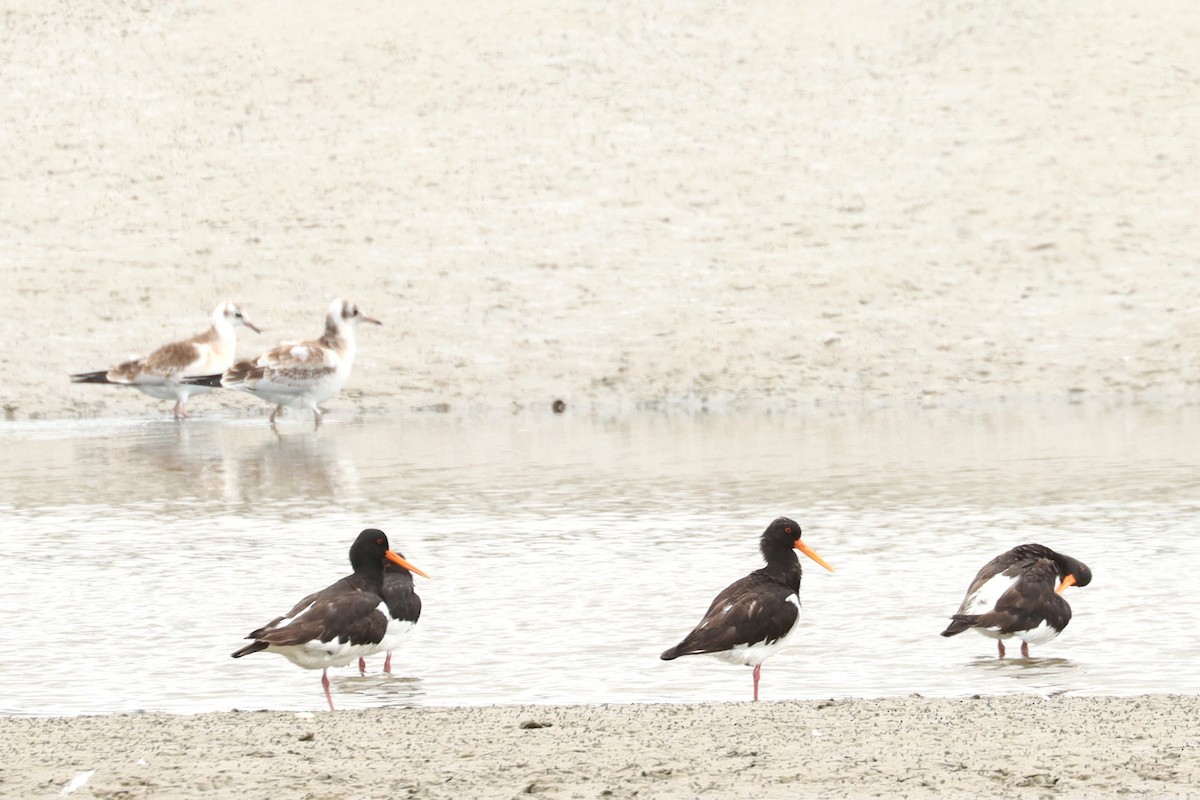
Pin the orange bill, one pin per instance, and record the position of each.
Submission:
(808, 551)
(1067, 581)
(396, 559)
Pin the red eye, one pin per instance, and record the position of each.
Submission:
(787, 530)
(379, 541)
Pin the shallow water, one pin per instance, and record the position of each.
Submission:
(566, 553)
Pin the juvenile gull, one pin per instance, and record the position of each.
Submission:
(299, 374)
(161, 374)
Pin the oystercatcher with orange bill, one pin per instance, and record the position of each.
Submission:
(340, 623)
(1014, 595)
(404, 609)
(753, 618)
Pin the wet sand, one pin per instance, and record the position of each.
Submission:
(1016, 746)
(623, 205)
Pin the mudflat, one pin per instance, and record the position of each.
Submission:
(1013, 746)
(616, 205)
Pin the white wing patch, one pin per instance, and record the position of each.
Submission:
(289, 620)
(984, 598)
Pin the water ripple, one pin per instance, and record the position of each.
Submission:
(567, 553)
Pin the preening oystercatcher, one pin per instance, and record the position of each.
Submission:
(753, 618)
(1014, 595)
(340, 623)
(299, 374)
(404, 609)
(160, 374)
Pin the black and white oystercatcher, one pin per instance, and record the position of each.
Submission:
(1014, 595)
(404, 609)
(340, 623)
(755, 617)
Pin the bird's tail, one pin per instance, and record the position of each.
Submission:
(91, 377)
(960, 623)
(671, 653)
(251, 648)
(204, 380)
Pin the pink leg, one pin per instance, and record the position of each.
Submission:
(387, 663)
(325, 683)
(362, 667)
(1000, 647)
(757, 672)
(1025, 649)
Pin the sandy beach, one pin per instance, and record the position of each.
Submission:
(1020, 746)
(664, 205)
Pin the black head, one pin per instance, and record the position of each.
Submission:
(1071, 571)
(369, 551)
(781, 537)
(781, 534)
(1075, 568)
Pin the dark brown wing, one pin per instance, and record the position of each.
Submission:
(291, 615)
(1029, 602)
(345, 611)
(1011, 562)
(753, 609)
(1026, 604)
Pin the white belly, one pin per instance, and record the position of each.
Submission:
(319, 655)
(169, 391)
(757, 652)
(397, 632)
(1042, 634)
(315, 654)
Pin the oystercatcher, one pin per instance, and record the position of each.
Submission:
(1014, 595)
(756, 616)
(404, 609)
(340, 623)
(299, 374)
(161, 373)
